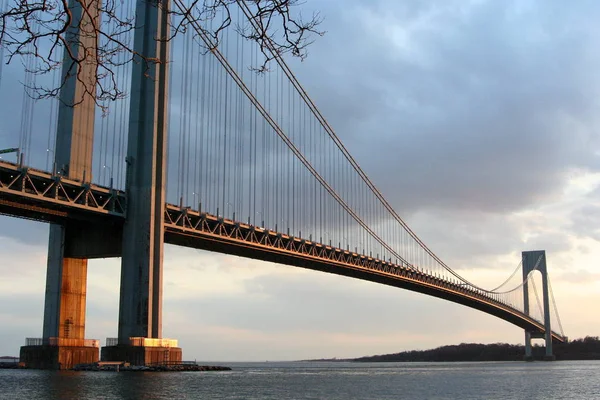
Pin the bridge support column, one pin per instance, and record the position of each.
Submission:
(536, 260)
(64, 341)
(140, 309)
(528, 349)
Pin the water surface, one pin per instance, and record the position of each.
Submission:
(578, 380)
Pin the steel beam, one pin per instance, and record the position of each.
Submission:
(42, 196)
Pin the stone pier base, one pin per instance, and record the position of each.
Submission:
(142, 355)
(57, 357)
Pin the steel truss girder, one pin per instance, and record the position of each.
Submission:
(187, 227)
(39, 195)
(42, 196)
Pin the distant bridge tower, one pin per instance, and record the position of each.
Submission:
(530, 260)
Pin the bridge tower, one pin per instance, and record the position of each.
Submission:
(141, 242)
(531, 259)
(63, 343)
(140, 310)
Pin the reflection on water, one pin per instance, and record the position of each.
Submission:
(348, 381)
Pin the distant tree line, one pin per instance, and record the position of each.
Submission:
(587, 348)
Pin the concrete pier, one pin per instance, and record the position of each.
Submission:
(145, 352)
(59, 353)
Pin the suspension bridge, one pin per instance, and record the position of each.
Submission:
(208, 154)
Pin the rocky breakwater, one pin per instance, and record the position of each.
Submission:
(11, 365)
(124, 367)
(186, 367)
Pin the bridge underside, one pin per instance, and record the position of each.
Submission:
(378, 273)
(96, 214)
(190, 228)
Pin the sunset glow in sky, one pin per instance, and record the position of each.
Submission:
(478, 120)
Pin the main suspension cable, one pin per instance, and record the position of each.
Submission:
(278, 58)
(215, 51)
(509, 278)
(537, 298)
(554, 306)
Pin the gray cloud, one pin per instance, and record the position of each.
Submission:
(468, 239)
(484, 107)
(462, 114)
(580, 276)
(586, 221)
(28, 232)
(556, 241)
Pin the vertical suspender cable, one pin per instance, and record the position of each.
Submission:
(555, 307)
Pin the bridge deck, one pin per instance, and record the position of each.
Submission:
(39, 195)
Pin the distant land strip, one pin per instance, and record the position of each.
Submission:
(587, 348)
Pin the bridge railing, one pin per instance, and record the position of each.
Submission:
(34, 341)
(152, 342)
(56, 341)
(144, 342)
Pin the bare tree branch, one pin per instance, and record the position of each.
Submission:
(50, 34)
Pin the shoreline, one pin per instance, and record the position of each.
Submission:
(115, 367)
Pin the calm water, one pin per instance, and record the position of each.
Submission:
(347, 381)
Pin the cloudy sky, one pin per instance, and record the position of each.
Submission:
(478, 120)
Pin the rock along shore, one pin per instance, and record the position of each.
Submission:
(11, 365)
(154, 368)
